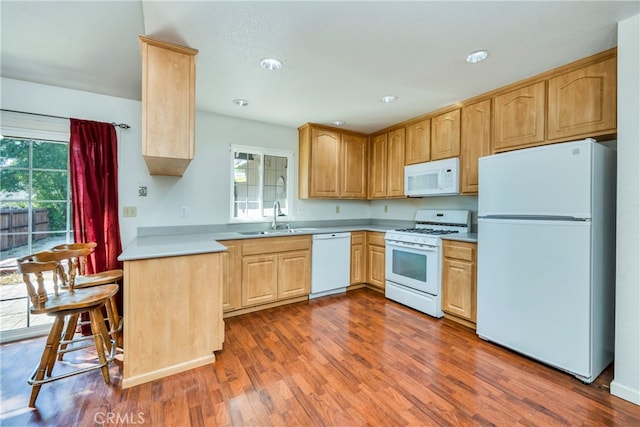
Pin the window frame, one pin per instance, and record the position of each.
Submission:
(289, 155)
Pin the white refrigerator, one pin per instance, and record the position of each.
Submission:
(546, 254)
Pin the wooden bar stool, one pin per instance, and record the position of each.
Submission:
(83, 280)
(63, 305)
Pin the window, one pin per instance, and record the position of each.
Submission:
(35, 210)
(259, 183)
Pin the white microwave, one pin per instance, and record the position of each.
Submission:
(437, 178)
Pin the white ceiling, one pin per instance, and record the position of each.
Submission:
(339, 58)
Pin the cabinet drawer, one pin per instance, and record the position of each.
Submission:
(375, 238)
(459, 250)
(357, 237)
(275, 244)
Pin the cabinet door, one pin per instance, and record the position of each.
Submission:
(375, 263)
(445, 135)
(375, 259)
(325, 158)
(353, 167)
(395, 163)
(475, 142)
(583, 102)
(459, 280)
(168, 106)
(232, 264)
(294, 274)
(458, 292)
(358, 258)
(418, 143)
(259, 279)
(378, 167)
(520, 117)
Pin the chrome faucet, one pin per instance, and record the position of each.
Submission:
(276, 213)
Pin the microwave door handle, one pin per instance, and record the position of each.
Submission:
(441, 179)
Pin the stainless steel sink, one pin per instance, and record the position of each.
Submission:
(284, 231)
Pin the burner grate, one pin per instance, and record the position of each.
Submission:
(427, 231)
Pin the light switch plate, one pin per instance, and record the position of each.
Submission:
(129, 211)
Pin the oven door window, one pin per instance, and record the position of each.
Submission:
(409, 264)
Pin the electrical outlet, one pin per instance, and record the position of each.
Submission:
(386, 208)
(142, 191)
(337, 208)
(184, 211)
(129, 211)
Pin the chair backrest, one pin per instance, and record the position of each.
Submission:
(72, 259)
(34, 266)
(82, 265)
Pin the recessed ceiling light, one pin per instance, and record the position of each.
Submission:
(338, 122)
(389, 98)
(241, 102)
(271, 64)
(477, 56)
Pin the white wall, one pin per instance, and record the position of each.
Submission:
(626, 383)
(35, 98)
(405, 209)
(204, 188)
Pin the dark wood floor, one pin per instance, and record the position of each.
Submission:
(355, 359)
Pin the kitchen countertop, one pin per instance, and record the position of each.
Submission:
(178, 244)
(461, 237)
(147, 247)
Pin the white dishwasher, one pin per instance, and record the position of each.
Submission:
(330, 263)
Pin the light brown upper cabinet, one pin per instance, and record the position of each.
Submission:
(323, 160)
(353, 170)
(378, 166)
(386, 165)
(445, 135)
(332, 164)
(582, 102)
(475, 142)
(395, 163)
(168, 106)
(418, 142)
(520, 117)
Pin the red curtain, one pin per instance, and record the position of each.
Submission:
(94, 190)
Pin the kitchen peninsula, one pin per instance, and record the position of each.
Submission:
(172, 305)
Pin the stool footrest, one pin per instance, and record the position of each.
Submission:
(112, 354)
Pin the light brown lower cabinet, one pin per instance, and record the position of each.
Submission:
(459, 281)
(358, 258)
(232, 268)
(263, 272)
(172, 315)
(375, 260)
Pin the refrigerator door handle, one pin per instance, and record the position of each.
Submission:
(535, 217)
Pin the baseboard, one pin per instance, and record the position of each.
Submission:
(624, 392)
(165, 372)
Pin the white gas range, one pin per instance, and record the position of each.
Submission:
(413, 258)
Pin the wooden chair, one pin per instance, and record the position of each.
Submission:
(83, 280)
(63, 304)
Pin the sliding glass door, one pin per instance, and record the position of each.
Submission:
(35, 214)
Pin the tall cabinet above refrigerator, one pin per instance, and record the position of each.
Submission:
(546, 254)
